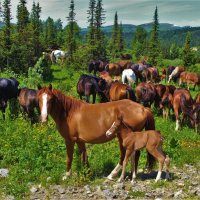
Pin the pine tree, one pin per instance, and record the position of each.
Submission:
(121, 38)
(173, 51)
(154, 46)
(187, 52)
(50, 33)
(7, 29)
(140, 42)
(1, 12)
(72, 31)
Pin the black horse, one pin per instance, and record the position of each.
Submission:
(97, 66)
(8, 90)
(28, 101)
(90, 85)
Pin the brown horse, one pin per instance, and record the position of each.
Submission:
(146, 93)
(80, 122)
(197, 98)
(189, 78)
(105, 75)
(151, 74)
(119, 91)
(97, 66)
(183, 103)
(133, 141)
(124, 63)
(113, 69)
(90, 85)
(28, 101)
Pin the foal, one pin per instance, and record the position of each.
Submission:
(133, 141)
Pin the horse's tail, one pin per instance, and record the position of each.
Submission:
(150, 125)
(52, 56)
(130, 94)
(186, 106)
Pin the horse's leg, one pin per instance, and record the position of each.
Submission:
(87, 98)
(94, 97)
(161, 159)
(69, 152)
(167, 162)
(116, 170)
(3, 113)
(80, 97)
(83, 152)
(134, 164)
(128, 154)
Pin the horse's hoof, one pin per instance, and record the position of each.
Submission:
(133, 182)
(110, 177)
(64, 177)
(120, 180)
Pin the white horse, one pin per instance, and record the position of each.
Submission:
(129, 75)
(58, 54)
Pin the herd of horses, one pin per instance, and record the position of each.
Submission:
(123, 112)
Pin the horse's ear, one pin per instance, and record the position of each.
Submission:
(39, 87)
(50, 86)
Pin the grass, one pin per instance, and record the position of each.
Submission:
(33, 154)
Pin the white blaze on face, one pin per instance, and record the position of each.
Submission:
(44, 108)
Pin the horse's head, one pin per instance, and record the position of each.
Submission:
(45, 99)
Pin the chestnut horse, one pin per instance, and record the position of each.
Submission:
(176, 73)
(146, 93)
(133, 141)
(190, 78)
(183, 103)
(113, 69)
(28, 101)
(197, 98)
(119, 91)
(79, 122)
(97, 66)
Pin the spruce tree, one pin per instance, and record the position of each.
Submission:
(1, 13)
(50, 33)
(154, 46)
(36, 28)
(140, 42)
(72, 31)
(121, 39)
(114, 41)
(91, 20)
(22, 16)
(187, 52)
(7, 29)
(100, 52)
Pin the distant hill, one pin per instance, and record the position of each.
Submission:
(168, 33)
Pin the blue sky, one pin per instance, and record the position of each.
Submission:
(178, 12)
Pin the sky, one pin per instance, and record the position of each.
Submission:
(177, 12)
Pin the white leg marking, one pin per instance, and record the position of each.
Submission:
(158, 175)
(44, 108)
(114, 172)
(177, 125)
(69, 173)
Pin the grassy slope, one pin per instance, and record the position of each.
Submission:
(32, 154)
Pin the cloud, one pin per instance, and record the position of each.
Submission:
(129, 11)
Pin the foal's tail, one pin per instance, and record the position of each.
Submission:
(150, 125)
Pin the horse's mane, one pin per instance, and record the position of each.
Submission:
(68, 103)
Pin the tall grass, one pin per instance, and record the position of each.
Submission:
(37, 155)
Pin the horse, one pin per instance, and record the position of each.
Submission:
(128, 75)
(189, 78)
(169, 71)
(123, 63)
(176, 73)
(133, 141)
(118, 91)
(28, 101)
(105, 75)
(113, 69)
(183, 103)
(58, 54)
(197, 98)
(97, 66)
(166, 99)
(145, 93)
(135, 68)
(79, 122)
(90, 85)
(8, 90)
(150, 74)
(125, 56)
(163, 75)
